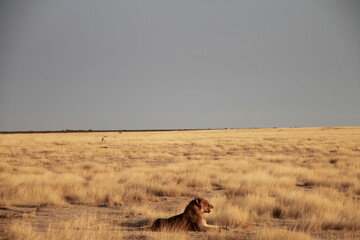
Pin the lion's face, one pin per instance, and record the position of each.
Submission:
(204, 204)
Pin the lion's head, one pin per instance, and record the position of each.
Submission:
(204, 205)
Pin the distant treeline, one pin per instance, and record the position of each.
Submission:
(120, 131)
(126, 130)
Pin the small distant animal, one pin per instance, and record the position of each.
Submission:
(192, 219)
(103, 139)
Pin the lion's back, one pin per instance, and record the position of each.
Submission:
(173, 223)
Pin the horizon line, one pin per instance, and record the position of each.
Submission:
(152, 130)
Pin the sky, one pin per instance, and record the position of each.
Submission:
(178, 64)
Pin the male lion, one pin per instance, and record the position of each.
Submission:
(191, 219)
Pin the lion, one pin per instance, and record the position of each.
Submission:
(191, 219)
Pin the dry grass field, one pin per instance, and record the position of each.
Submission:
(297, 183)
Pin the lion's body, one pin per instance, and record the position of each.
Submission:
(176, 223)
(191, 219)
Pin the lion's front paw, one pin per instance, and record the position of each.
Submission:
(220, 229)
(225, 228)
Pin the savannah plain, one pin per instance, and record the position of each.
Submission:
(293, 183)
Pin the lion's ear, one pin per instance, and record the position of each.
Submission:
(198, 200)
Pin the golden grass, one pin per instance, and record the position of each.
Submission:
(86, 227)
(282, 234)
(307, 180)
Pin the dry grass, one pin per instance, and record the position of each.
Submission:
(281, 234)
(293, 183)
(86, 227)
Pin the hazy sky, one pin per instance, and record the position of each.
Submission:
(86, 64)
